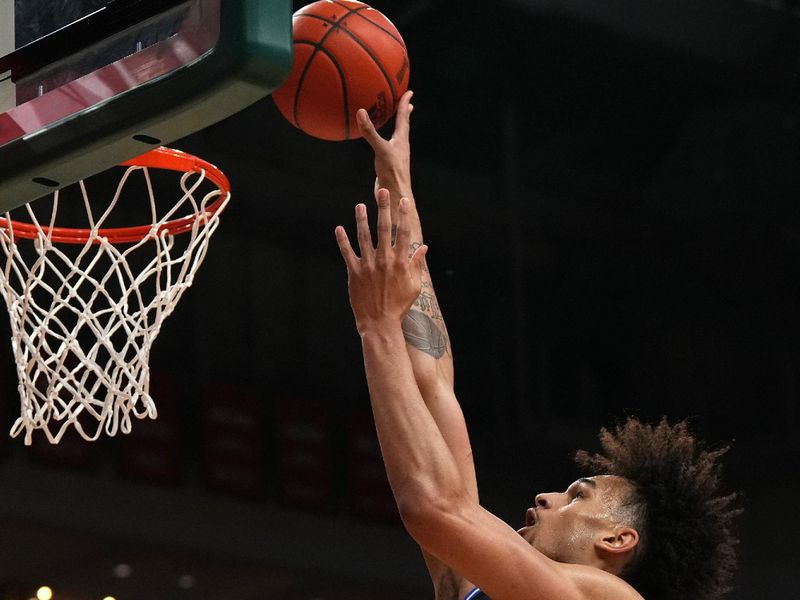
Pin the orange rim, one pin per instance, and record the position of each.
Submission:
(159, 158)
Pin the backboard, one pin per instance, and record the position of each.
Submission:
(88, 84)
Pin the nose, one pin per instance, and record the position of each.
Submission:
(546, 500)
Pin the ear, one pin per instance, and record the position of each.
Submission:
(618, 542)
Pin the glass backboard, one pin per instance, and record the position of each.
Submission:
(88, 84)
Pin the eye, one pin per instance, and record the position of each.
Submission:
(577, 495)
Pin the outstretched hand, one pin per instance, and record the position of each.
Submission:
(392, 156)
(384, 282)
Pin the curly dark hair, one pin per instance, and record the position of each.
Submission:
(686, 547)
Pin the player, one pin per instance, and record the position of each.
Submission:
(649, 521)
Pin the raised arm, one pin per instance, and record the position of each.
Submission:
(424, 327)
(424, 330)
(437, 508)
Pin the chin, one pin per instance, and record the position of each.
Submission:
(528, 534)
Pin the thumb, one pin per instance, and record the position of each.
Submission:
(418, 260)
(367, 129)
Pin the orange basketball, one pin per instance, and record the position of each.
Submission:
(347, 56)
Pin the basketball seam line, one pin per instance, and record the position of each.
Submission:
(317, 47)
(386, 31)
(335, 25)
(326, 52)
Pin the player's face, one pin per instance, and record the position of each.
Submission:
(565, 525)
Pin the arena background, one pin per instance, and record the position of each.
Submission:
(611, 196)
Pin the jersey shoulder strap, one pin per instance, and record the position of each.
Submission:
(476, 594)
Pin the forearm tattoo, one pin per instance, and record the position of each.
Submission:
(428, 304)
(419, 327)
(421, 332)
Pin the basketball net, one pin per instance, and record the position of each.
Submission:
(86, 304)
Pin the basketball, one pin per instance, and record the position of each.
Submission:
(347, 56)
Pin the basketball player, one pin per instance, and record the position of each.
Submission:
(648, 522)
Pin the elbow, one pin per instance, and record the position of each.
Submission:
(426, 513)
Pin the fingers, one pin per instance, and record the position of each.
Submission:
(385, 242)
(368, 130)
(365, 247)
(384, 220)
(349, 256)
(404, 108)
(401, 128)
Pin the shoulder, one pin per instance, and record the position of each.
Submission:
(598, 584)
(589, 582)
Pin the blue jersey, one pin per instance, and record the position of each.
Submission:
(476, 594)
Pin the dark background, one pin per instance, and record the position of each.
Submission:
(610, 196)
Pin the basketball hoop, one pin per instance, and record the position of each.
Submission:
(87, 302)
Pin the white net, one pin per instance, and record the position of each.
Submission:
(84, 316)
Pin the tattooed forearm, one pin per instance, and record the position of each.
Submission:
(422, 333)
(427, 303)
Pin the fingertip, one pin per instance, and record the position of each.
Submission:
(363, 120)
(419, 256)
(382, 196)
